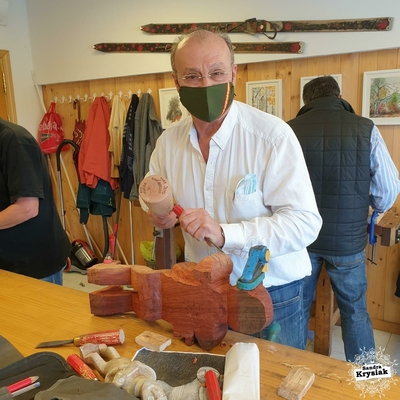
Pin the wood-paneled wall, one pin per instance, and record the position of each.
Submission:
(384, 307)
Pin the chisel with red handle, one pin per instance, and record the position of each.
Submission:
(178, 210)
(80, 367)
(112, 337)
(212, 386)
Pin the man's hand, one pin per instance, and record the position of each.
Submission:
(163, 222)
(199, 224)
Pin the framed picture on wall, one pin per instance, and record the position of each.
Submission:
(306, 79)
(381, 96)
(171, 108)
(266, 96)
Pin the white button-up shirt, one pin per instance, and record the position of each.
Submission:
(280, 213)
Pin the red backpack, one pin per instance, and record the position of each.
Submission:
(51, 133)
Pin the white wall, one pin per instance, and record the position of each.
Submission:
(64, 31)
(54, 38)
(14, 37)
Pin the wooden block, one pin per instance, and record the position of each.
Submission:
(110, 300)
(390, 225)
(153, 341)
(109, 274)
(147, 299)
(324, 314)
(296, 384)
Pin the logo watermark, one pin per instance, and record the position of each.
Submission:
(372, 372)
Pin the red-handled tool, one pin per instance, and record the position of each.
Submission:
(178, 210)
(212, 386)
(80, 367)
(112, 337)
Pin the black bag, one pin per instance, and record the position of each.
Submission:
(49, 366)
(57, 379)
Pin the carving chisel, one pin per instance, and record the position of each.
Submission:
(112, 337)
(79, 366)
(178, 210)
(212, 386)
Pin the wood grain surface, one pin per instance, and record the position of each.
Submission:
(33, 311)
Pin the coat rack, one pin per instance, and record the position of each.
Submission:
(70, 99)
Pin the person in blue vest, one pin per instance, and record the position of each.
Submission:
(350, 170)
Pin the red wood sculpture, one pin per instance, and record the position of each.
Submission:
(196, 299)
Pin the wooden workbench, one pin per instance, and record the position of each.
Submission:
(33, 311)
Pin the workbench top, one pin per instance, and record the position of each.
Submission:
(33, 311)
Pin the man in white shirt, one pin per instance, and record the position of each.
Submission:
(240, 175)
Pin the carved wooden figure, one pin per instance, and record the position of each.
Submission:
(196, 299)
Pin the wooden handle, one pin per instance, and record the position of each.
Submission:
(212, 385)
(156, 193)
(80, 367)
(116, 336)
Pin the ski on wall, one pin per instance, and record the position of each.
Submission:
(257, 47)
(254, 26)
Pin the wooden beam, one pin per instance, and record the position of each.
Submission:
(389, 226)
(165, 249)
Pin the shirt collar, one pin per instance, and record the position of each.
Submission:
(223, 134)
(221, 137)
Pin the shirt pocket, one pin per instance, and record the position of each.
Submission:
(243, 207)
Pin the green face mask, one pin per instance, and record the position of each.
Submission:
(207, 103)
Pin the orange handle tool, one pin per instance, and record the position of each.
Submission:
(212, 385)
(115, 336)
(80, 367)
(178, 210)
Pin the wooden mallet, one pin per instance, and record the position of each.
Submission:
(155, 192)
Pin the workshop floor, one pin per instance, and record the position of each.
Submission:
(386, 341)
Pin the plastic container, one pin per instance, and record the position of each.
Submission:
(146, 249)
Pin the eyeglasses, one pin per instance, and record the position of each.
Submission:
(194, 78)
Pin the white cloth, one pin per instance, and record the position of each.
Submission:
(281, 214)
(242, 372)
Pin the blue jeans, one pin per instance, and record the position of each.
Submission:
(349, 283)
(56, 278)
(287, 301)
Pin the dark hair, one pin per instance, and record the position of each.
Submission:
(203, 35)
(323, 86)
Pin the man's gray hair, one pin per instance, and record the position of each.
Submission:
(202, 34)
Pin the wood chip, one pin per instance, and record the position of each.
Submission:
(153, 341)
(296, 384)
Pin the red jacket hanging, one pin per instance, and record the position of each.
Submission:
(94, 157)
